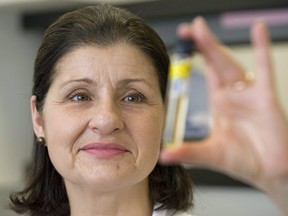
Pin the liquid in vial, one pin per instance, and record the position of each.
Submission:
(177, 95)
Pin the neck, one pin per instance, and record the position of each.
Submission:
(126, 201)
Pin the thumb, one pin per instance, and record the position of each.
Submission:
(196, 153)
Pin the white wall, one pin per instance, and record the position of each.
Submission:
(227, 201)
(17, 53)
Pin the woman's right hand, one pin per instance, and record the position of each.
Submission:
(249, 138)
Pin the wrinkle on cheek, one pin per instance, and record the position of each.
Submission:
(151, 138)
(62, 143)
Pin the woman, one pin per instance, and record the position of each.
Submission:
(98, 113)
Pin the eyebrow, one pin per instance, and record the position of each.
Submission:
(84, 80)
(121, 82)
(127, 81)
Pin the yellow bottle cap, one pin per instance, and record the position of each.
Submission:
(181, 69)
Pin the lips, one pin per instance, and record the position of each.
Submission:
(105, 150)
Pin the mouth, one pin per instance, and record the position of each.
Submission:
(105, 150)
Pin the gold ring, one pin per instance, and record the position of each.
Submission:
(240, 85)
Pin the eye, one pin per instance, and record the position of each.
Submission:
(134, 98)
(79, 97)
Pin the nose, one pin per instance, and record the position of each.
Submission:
(106, 117)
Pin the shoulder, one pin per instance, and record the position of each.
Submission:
(171, 213)
(182, 214)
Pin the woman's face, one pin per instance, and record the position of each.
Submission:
(103, 117)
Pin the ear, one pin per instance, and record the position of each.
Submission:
(37, 120)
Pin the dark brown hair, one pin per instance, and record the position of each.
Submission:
(99, 25)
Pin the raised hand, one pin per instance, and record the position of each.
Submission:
(249, 136)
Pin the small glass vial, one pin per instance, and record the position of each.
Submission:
(177, 94)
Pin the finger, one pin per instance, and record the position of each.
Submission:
(200, 154)
(261, 46)
(184, 31)
(222, 68)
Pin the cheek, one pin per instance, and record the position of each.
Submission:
(62, 132)
(62, 126)
(147, 134)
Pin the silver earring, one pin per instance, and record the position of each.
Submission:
(41, 141)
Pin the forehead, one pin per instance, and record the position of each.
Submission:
(115, 60)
